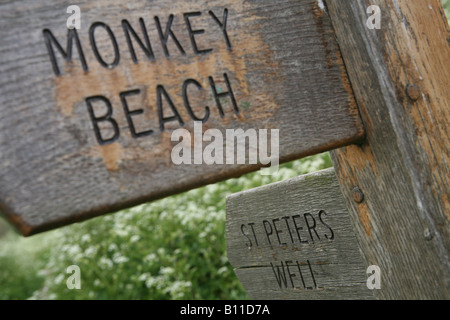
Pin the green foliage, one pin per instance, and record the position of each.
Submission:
(20, 263)
(446, 4)
(173, 248)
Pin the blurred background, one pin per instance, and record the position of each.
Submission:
(173, 248)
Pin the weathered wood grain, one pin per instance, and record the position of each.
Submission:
(281, 60)
(303, 224)
(401, 76)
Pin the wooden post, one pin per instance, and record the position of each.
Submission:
(396, 184)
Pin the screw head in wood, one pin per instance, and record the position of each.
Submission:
(428, 234)
(413, 92)
(358, 195)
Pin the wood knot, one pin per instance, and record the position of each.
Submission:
(413, 92)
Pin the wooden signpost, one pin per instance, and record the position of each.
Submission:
(91, 116)
(294, 240)
(395, 185)
(87, 115)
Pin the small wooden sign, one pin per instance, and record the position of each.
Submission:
(87, 115)
(294, 240)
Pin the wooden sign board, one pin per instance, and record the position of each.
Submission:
(294, 240)
(87, 115)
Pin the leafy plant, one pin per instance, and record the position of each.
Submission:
(173, 248)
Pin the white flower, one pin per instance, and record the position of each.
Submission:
(73, 250)
(42, 272)
(118, 258)
(90, 252)
(151, 257)
(222, 270)
(112, 247)
(86, 238)
(177, 287)
(122, 233)
(163, 215)
(151, 282)
(105, 262)
(167, 271)
(59, 279)
(135, 238)
(144, 277)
